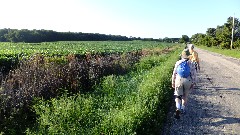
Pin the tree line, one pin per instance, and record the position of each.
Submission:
(30, 36)
(220, 36)
(36, 36)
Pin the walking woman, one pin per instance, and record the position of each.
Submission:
(194, 56)
(183, 79)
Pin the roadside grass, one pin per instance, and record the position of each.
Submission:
(49, 79)
(232, 53)
(135, 103)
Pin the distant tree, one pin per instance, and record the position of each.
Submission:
(220, 36)
(224, 32)
(24, 35)
(211, 32)
(198, 39)
(194, 38)
(166, 39)
(236, 24)
(175, 40)
(223, 36)
(236, 44)
(236, 31)
(210, 38)
(160, 39)
(209, 41)
(3, 32)
(184, 39)
(11, 36)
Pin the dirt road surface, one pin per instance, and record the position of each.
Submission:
(214, 105)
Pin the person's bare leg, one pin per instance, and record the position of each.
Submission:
(178, 106)
(185, 96)
(178, 103)
(184, 100)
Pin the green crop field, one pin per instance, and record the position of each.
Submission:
(70, 47)
(109, 87)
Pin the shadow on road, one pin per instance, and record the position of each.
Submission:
(205, 114)
(222, 88)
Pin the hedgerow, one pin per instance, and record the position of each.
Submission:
(135, 103)
(43, 77)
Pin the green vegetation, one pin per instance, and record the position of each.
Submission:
(86, 87)
(232, 53)
(36, 36)
(221, 36)
(135, 103)
(82, 47)
(184, 39)
(12, 53)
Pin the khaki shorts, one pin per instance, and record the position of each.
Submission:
(182, 85)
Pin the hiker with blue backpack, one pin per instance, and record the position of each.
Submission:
(183, 79)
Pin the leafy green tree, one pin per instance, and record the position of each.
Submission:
(3, 32)
(211, 32)
(24, 35)
(225, 33)
(166, 39)
(236, 31)
(236, 24)
(236, 44)
(223, 36)
(209, 41)
(11, 36)
(184, 39)
(197, 38)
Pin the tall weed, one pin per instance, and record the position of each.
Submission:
(135, 103)
(42, 77)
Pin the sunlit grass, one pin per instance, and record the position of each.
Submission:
(125, 101)
(232, 53)
(134, 103)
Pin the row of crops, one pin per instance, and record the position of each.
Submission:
(64, 48)
(86, 87)
(12, 53)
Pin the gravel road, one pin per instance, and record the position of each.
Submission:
(214, 105)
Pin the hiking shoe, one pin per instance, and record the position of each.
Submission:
(177, 114)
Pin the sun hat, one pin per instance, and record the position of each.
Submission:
(185, 54)
(190, 46)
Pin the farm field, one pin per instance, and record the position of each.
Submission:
(118, 87)
(78, 47)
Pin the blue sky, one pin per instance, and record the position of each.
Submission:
(137, 18)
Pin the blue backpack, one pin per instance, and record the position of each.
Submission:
(183, 69)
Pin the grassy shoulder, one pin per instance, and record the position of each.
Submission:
(135, 103)
(48, 79)
(227, 52)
